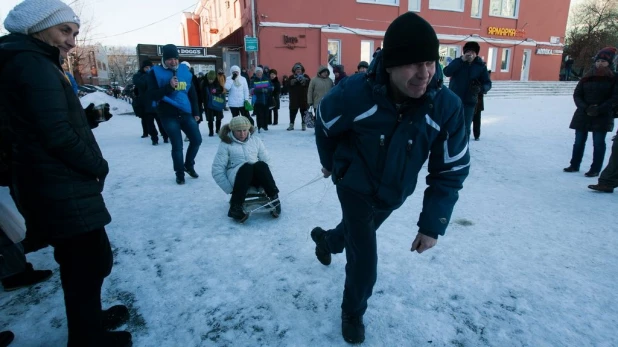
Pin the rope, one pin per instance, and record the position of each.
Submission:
(317, 178)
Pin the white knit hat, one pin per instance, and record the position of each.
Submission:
(32, 16)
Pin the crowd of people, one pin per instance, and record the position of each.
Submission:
(375, 130)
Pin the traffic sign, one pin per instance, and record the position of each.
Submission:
(251, 44)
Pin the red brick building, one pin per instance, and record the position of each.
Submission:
(520, 39)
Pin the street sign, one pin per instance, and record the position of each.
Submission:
(251, 44)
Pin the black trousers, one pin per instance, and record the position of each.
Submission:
(85, 260)
(253, 175)
(161, 128)
(214, 121)
(240, 111)
(262, 115)
(274, 116)
(609, 176)
(476, 124)
(293, 112)
(357, 234)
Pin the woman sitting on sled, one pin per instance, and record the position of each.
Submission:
(241, 163)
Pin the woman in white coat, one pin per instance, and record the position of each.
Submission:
(238, 92)
(242, 162)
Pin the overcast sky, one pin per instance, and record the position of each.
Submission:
(111, 17)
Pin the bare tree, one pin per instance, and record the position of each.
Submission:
(122, 62)
(593, 26)
(78, 58)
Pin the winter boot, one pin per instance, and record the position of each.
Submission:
(571, 169)
(291, 127)
(237, 213)
(117, 339)
(601, 188)
(166, 140)
(26, 278)
(115, 316)
(277, 205)
(352, 328)
(318, 235)
(180, 178)
(155, 142)
(591, 174)
(304, 126)
(6, 337)
(191, 172)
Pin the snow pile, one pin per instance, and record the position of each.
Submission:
(117, 106)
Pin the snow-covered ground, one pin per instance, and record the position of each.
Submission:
(528, 260)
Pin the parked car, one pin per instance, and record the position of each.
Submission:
(128, 90)
(97, 88)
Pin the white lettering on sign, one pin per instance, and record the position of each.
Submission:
(190, 51)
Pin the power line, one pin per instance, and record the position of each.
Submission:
(146, 26)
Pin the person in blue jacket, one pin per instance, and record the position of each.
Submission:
(468, 77)
(374, 132)
(170, 87)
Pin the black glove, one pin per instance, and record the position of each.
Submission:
(94, 116)
(234, 75)
(592, 110)
(475, 87)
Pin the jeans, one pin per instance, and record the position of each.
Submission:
(173, 125)
(609, 176)
(85, 260)
(359, 225)
(256, 175)
(598, 140)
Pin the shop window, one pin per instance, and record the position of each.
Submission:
(380, 2)
(504, 8)
(447, 5)
(366, 51)
(477, 9)
(492, 58)
(506, 60)
(414, 5)
(448, 53)
(334, 50)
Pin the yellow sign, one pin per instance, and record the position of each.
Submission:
(506, 32)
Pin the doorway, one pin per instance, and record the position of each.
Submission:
(525, 65)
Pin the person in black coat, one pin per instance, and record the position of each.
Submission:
(58, 170)
(594, 97)
(144, 106)
(276, 99)
(211, 87)
(469, 78)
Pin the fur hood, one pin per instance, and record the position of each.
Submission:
(225, 133)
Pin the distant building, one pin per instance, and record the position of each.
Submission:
(520, 40)
(90, 65)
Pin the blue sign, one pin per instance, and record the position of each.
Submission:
(251, 44)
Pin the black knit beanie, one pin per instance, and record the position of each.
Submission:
(145, 63)
(169, 51)
(408, 40)
(472, 46)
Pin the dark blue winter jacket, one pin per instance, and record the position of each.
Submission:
(377, 149)
(466, 77)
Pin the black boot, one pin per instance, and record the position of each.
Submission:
(115, 316)
(237, 213)
(601, 188)
(180, 178)
(591, 174)
(352, 328)
(166, 140)
(191, 172)
(6, 337)
(276, 204)
(211, 129)
(217, 126)
(571, 169)
(318, 235)
(26, 278)
(117, 339)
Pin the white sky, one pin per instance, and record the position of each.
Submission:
(112, 17)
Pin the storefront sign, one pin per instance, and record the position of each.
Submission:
(251, 44)
(506, 32)
(290, 40)
(548, 51)
(184, 51)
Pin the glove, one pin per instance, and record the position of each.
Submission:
(94, 115)
(592, 110)
(475, 89)
(234, 76)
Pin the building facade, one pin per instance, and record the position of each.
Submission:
(519, 39)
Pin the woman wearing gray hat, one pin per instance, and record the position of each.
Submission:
(58, 170)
